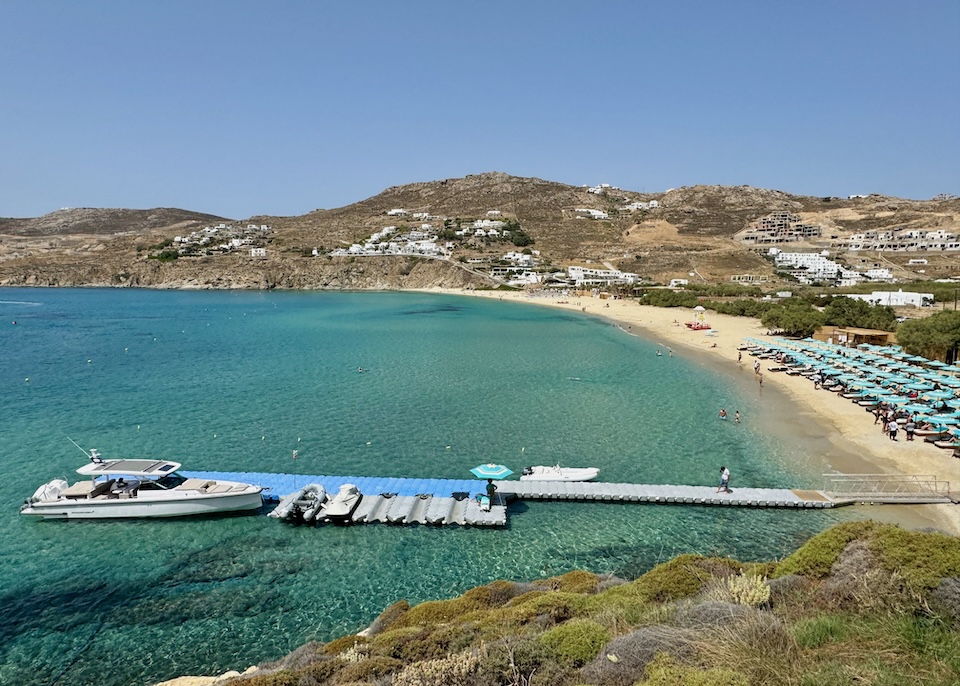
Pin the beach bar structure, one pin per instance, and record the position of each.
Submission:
(850, 336)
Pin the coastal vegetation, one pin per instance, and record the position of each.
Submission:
(936, 337)
(861, 603)
(799, 315)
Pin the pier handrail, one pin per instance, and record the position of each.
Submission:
(885, 485)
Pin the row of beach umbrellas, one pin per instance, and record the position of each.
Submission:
(885, 373)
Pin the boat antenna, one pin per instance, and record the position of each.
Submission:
(78, 446)
(93, 455)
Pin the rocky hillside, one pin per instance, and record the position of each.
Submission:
(107, 222)
(862, 603)
(690, 231)
(241, 272)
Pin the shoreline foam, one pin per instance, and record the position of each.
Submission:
(860, 447)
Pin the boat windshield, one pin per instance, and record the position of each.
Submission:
(165, 483)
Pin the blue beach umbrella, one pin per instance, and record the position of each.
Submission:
(943, 421)
(491, 471)
(938, 394)
(916, 408)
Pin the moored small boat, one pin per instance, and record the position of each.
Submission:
(340, 508)
(558, 473)
(138, 488)
(301, 505)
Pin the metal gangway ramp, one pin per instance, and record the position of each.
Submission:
(844, 489)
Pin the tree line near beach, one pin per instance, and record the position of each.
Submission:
(936, 337)
(861, 603)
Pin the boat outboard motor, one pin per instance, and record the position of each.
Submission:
(526, 471)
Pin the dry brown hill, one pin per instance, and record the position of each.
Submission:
(691, 231)
(87, 220)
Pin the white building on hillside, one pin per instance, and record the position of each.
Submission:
(895, 298)
(584, 276)
(585, 213)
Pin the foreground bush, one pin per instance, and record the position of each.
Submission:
(577, 642)
(860, 603)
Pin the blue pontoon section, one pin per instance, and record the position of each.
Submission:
(278, 485)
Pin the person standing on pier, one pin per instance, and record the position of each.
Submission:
(491, 490)
(724, 480)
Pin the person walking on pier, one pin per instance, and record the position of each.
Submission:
(724, 480)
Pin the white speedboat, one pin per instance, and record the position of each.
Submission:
(341, 507)
(138, 488)
(558, 473)
(302, 505)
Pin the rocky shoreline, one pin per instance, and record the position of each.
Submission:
(235, 272)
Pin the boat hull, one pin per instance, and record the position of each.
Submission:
(560, 474)
(132, 508)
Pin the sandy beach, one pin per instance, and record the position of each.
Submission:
(860, 446)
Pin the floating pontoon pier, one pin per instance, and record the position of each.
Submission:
(450, 501)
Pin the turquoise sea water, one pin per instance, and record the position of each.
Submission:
(236, 380)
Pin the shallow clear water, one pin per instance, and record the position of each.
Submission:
(235, 381)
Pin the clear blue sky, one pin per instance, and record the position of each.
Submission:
(239, 108)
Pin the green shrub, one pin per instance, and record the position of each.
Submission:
(576, 642)
(664, 297)
(338, 645)
(395, 642)
(679, 578)
(526, 597)
(577, 581)
(513, 661)
(665, 671)
(389, 616)
(818, 631)
(558, 606)
(815, 558)
(435, 612)
(921, 558)
(369, 669)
